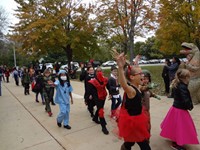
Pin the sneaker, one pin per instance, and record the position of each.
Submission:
(67, 127)
(50, 114)
(59, 124)
(37, 101)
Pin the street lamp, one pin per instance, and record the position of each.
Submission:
(7, 41)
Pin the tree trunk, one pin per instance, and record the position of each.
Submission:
(68, 51)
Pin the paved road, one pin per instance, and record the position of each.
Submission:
(24, 125)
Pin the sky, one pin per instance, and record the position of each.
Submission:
(10, 5)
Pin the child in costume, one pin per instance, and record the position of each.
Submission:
(114, 91)
(146, 87)
(132, 121)
(89, 101)
(46, 81)
(178, 125)
(97, 90)
(63, 96)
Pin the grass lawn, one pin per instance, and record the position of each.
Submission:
(156, 72)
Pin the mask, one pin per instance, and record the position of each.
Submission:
(100, 76)
(64, 78)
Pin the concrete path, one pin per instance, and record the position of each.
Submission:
(24, 124)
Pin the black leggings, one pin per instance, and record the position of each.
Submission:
(143, 145)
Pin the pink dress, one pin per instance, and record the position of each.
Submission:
(179, 127)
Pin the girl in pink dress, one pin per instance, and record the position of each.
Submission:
(178, 125)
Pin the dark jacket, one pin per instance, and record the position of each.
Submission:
(165, 73)
(113, 86)
(182, 98)
(87, 88)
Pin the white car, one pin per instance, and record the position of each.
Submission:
(49, 65)
(109, 63)
(76, 64)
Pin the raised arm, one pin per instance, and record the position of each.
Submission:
(121, 61)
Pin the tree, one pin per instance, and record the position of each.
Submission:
(126, 19)
(148, 48)
(178, 22)
(47, 25)
(3, 20)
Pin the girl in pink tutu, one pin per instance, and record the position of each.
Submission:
(132, 121)
(178, 125)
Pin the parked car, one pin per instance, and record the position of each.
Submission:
(75, 64)
(109, 63)
(49, 65)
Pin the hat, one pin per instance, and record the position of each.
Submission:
(62, 72)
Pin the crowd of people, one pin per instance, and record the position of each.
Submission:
(131, 111)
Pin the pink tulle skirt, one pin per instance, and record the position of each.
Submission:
(179, 127)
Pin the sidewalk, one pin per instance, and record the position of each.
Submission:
(25, 125)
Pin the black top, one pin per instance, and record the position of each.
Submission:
(134, 105)
(182, 98)
(113, 86)
(87, 86)
(165, 72)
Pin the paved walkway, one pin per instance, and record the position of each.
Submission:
(24, 125)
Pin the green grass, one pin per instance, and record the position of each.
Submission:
(156, 77)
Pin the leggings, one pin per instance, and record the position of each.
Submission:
(143, 145)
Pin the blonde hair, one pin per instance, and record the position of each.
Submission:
(180, 75)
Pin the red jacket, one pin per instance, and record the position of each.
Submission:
(101, 88)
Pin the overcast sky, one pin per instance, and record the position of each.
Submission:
(10, 5)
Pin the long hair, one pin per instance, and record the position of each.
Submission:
(180, 75)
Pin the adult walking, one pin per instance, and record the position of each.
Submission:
(172, 71)
(165, 76)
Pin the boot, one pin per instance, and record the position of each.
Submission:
(103, 125)
(105, 131)
(52, 103)
(123, 147)
(96, 120)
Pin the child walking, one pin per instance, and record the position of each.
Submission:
(63, 96)
(114, 91)
(26, 81)
(178, 125)
(132, 121)
(89, 101)
(47, 84)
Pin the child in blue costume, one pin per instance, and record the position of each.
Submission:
(63, 96)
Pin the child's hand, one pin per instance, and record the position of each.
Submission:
(90, 97)
(50, 82)
(72, 102)
(109, 97)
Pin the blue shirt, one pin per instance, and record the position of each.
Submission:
(62, 93)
